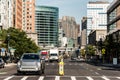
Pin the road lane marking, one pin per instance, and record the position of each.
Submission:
(104, 77)
(41, 78)
(73, 78)
(97, 73)
(99, 69)
(24, 78)
(3, 72)
(57, 77)
(89, 78)
(118, 77)
(8, 78)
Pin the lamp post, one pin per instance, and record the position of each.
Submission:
(8, 38)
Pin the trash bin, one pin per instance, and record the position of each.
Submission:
(114, 61)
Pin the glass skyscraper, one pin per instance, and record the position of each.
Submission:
(46, 24)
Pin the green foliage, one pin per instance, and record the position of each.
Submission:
(91, 50)
(19, 41)
(82, 51)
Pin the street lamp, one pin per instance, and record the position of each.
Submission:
(8, 38)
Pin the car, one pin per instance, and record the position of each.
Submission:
(30, 62)
(2, 63)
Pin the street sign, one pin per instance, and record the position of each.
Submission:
(103, 51)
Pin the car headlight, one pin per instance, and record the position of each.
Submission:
(19, 63)
(38, 64)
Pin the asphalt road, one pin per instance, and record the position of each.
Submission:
(72, 71)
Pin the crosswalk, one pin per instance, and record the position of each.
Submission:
(14, 77)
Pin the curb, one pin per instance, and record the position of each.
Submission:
(9, 64)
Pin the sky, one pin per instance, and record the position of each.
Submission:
(73, 8)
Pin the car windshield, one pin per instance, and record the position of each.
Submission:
(31, 56)
(53, 54)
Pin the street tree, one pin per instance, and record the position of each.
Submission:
(90, 50)
(19, 41)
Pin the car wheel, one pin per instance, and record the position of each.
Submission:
(18, 72)
(39, 72)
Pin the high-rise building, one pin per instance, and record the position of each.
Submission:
(17, 14)
(113, 14)
(83, 32)
(3, 14)
(71, 28)
(60, 34)
(10, 13)
(28, 15)
(46, 23)
(96, 16)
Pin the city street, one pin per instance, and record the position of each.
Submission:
(73, 71)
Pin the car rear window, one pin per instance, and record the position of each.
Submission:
(31, 56)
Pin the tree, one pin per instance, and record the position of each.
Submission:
(90, 50)
(19, 41)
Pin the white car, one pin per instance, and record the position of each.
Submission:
(30, 62)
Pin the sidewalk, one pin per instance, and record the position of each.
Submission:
(111, 65)
(10, 64)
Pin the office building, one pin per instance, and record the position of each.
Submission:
(71, 28)
(96, 16)
(83, 32)
(113, 14)
(46, 23)
(3, 14)
(28, 16)
(17, 14)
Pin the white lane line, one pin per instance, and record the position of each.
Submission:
(8, 78)
(41, 78)
(73, 78)
(24, 78)
(57, 77)
(3, 72)
(104, 77)
(97, 73)
(118, 77)
(89, 78)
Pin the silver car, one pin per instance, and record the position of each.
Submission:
(30, 62)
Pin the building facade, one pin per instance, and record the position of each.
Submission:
(83, 32)
(3, 14)
(46, 23)
(113, 14)
(71, 28)
(96, 16)
(96, 35)
(113, 29)
(17, 14)
(28, 15)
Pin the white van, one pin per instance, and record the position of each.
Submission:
(54, 55)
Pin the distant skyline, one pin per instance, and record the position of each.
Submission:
(73, 8)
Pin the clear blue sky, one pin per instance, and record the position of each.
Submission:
(74, 8)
